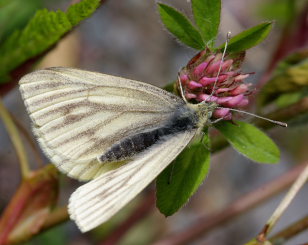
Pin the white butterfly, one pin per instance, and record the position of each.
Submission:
(117, 133)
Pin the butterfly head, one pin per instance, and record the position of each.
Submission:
(204, 111)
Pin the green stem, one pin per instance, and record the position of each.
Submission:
(16, 140)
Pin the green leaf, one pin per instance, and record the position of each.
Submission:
(290, 80)
(180, 180)
(42, 32)
(291, 98)
(249, 38)
(10, 21)
(250, 141)
(170, 87)
(207, 17)
(78, 12)
(288, 85)
(180, 26)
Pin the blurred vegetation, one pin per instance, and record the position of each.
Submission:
(28, 33)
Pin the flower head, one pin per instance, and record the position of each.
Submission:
(209, 78)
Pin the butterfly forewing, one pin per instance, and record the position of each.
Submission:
(77, 115)
(97, 201)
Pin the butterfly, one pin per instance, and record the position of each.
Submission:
(118, 134)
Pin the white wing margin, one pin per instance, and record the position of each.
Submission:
(95, 202)
(78, 114)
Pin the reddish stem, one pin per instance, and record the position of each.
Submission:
(238, 207)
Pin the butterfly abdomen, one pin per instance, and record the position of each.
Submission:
(182, 119)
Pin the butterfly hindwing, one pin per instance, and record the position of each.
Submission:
(96, 201)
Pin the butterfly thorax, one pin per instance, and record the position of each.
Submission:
(204, 112)
(182, 119)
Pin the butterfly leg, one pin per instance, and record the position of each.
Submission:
(217, 120)
(206, 143)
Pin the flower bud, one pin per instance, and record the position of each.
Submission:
(209, 78)
(194, 85)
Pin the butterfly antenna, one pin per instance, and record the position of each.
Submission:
(220, 66)
(182, 90)
(282, 124)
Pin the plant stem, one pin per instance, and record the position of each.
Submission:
(56, 217)
(16, 140)
(298, 184)
(206, 223)
(290, 231)
(30, 140)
